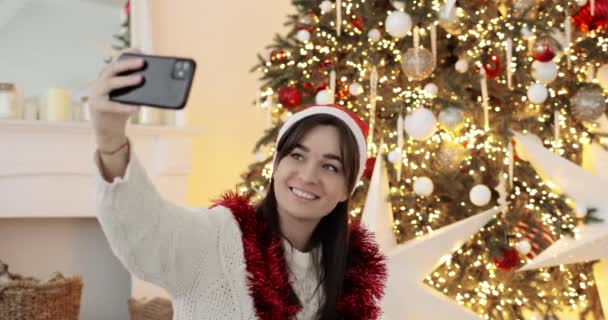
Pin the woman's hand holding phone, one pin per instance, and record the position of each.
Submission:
(109, 118)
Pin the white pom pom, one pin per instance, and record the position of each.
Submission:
(393, 156)
(545, 72)
(326, 6)
(581, 3)
(374, 35)
(420, 124)
(524, 247)
(431, 89)
(537, 93)
(303, 35)
(602, 76)
(423, 186)
(480, 195)
(324, 97)
(355, 89)
(462, 65)
(398, 24)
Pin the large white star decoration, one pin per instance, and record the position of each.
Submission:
(406, 296)
(586, 190)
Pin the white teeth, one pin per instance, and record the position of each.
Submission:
(303, 194)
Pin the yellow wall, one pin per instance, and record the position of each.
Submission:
(223, 37)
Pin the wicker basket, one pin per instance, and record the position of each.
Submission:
(155, 309)
(26, 298)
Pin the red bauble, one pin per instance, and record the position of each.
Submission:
(544, 49)
(308, 28)
(358, 23)
(325, 64)
(290, 97)
(278, 56)
(509, 259)
(585, 22)
(369, 167)
(492, 66)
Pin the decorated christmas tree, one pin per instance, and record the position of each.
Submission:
(462, 97)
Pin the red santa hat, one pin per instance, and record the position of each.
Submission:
(357, 126)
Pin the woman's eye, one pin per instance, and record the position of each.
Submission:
(296, 156)
(331, 167)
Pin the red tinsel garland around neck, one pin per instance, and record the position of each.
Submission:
(268, 277)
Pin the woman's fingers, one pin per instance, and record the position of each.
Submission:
(105, 85)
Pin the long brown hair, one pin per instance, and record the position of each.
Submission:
(332, 232)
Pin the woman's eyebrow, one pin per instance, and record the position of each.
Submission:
(327, 155)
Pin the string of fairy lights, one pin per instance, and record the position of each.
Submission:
(472, 151)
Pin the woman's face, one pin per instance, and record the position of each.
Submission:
(310, 181)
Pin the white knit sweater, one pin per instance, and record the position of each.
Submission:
(195, 254)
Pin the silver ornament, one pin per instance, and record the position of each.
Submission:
(418, 64)
(589, 103)
(450, 117)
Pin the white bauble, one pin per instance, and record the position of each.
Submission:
(462, 65)
(398, 24)
(524, 247)
(450, 117)
(545, 72)
(303, 35)
(431, 89)
(324, 97)
(602, 76)
(374, 35)
(581, 3)
(266, 54)
(326, 6)
(420, 124)
(423, 186)
(526, 34)
(537, 93)
(355, 89)
(393, 156)
(480, 195)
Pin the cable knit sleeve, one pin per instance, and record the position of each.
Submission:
(156, 240)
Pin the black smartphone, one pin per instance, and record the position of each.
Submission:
(166, 84)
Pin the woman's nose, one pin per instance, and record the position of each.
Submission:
(308, 173)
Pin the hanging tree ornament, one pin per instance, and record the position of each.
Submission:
(355, 89)
(398, 24)
(462, 65)
(450, 118)
(545, 49)
(448, 18)
(423, 186)
(492, 66)
(326, 6)
(290, 97)
(602, 76)
(480, 195)
(420, 124)
(417, 63)
(303, 35)
(589, 103)
(585, 21)
(545, 72)
(374, 35)
(537, 93)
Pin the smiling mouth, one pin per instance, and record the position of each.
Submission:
(302, 194)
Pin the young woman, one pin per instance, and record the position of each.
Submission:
(294, 255)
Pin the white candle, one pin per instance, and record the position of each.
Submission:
(399, 145)
(434, 42)
(592, 8)
(557, 117)
(568, 31)
(332, 85)
(373, 85)
(484, 100)
(511, 159)
(590, 73)
(57, 105)
(416, 37)
(509, 61)
(339, 17)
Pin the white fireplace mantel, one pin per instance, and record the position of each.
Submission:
(46, 168)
